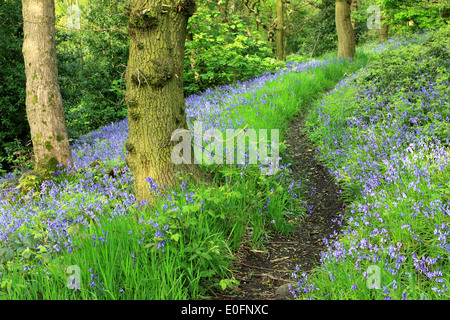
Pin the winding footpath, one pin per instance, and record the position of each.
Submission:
(266, 274)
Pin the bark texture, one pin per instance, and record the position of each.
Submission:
(384, 29)
(346, 34)
(280, 31)
(154, 91)
(354, 7)
(223, 9)
(44, 104)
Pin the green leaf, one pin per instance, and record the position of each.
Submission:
(27, 253)
(30, 241)
(10, 254)
(193, 257)
(175, 237)
(236, 194)
(223, 284)
(191, 208)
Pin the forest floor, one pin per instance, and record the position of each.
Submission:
(265, 274)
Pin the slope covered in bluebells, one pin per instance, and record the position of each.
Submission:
(384, 134)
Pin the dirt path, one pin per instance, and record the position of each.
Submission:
(262, 273)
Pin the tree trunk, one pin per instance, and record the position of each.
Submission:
(346, 34)
(354, 7)
(44, 104)
(384, 29)
(154, 91)
(223, 9)
(280, 31)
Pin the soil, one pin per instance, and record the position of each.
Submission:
(265, 274)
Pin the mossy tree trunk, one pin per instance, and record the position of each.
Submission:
(384, 29)
(280, 31)
(346, 34)
(44, 104)
(154, 91)
(353, 8)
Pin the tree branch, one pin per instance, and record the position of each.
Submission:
(98, 30)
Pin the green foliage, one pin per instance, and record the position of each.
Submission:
(221, 53)
(426, 15)
(19, 156)
(14, 129)
(319, 34)
(29, 244)
(92, 64)
(360, 17)
(28, 182)
(91, 67)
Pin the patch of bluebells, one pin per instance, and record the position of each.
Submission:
(208, 106)
(61, 206)
(95, 284)
(398, 163)
(395, 42)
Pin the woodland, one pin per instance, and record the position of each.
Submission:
(224, 150)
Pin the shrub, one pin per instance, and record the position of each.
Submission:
(221, 53)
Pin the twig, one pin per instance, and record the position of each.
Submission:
(92, 30)
(270, 276)
(278, 260)
(255, 267)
